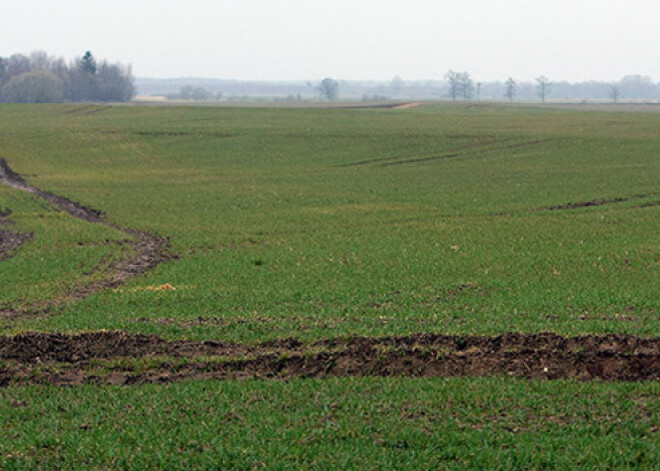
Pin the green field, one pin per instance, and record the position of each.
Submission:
(319, 224)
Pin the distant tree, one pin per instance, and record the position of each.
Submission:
(3, 67)
(454, 82)
(638, 86)
(17, 64)
(467, 85)
(329, 88)
(88, 63)
(185, 92)
(478, 90)
(542, 87)
(113, 83)
(615, 92)
(82, 83)
(396, 86)
(40, 60)
(460, 85)
(201, 94)
(37, 86)
(510, 89)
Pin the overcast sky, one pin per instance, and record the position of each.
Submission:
(352, 39)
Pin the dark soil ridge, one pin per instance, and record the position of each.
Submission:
(147, 250)
(611, 357)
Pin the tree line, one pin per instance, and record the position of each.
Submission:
(40, 78)
(461, 86)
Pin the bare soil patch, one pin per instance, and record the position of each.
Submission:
(537, 356)
(147, 250)
(10, 241)
(405, 106)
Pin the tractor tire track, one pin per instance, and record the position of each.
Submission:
(145, 252)
(478, 151)
(67, 360)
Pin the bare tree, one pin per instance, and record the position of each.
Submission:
(329, 88)
(460, 85)
(37, 86)
(467, 85)
(615, 92)
(396, 86)
(542, 87)
(454, 82)
(510, 89)
(17, 64)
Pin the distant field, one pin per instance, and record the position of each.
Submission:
(259, 242)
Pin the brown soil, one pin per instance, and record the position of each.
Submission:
(405, 106)
(66, 360)
(146, 252)
(10, 241)
(374, 106)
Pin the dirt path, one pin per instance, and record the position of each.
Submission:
(146, 250)
(68, 360)
(405, 106)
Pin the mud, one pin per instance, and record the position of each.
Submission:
(146, 250)
(68, 360)
(10, 241)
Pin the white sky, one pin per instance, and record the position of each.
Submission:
(351, 39)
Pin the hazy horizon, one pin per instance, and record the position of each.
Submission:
(298, 40)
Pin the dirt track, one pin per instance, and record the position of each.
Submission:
(65, 360)
(146, 252)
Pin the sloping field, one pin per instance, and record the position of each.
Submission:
(487, 260)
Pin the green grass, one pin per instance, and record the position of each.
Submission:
(279, 236)
(334, 424)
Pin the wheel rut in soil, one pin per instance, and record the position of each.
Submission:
(146, 250)
(75, 359)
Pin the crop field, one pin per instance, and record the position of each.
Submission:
(440, 286)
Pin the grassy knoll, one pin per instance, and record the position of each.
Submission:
(323, 223)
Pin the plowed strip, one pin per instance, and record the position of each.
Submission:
(539, 356)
